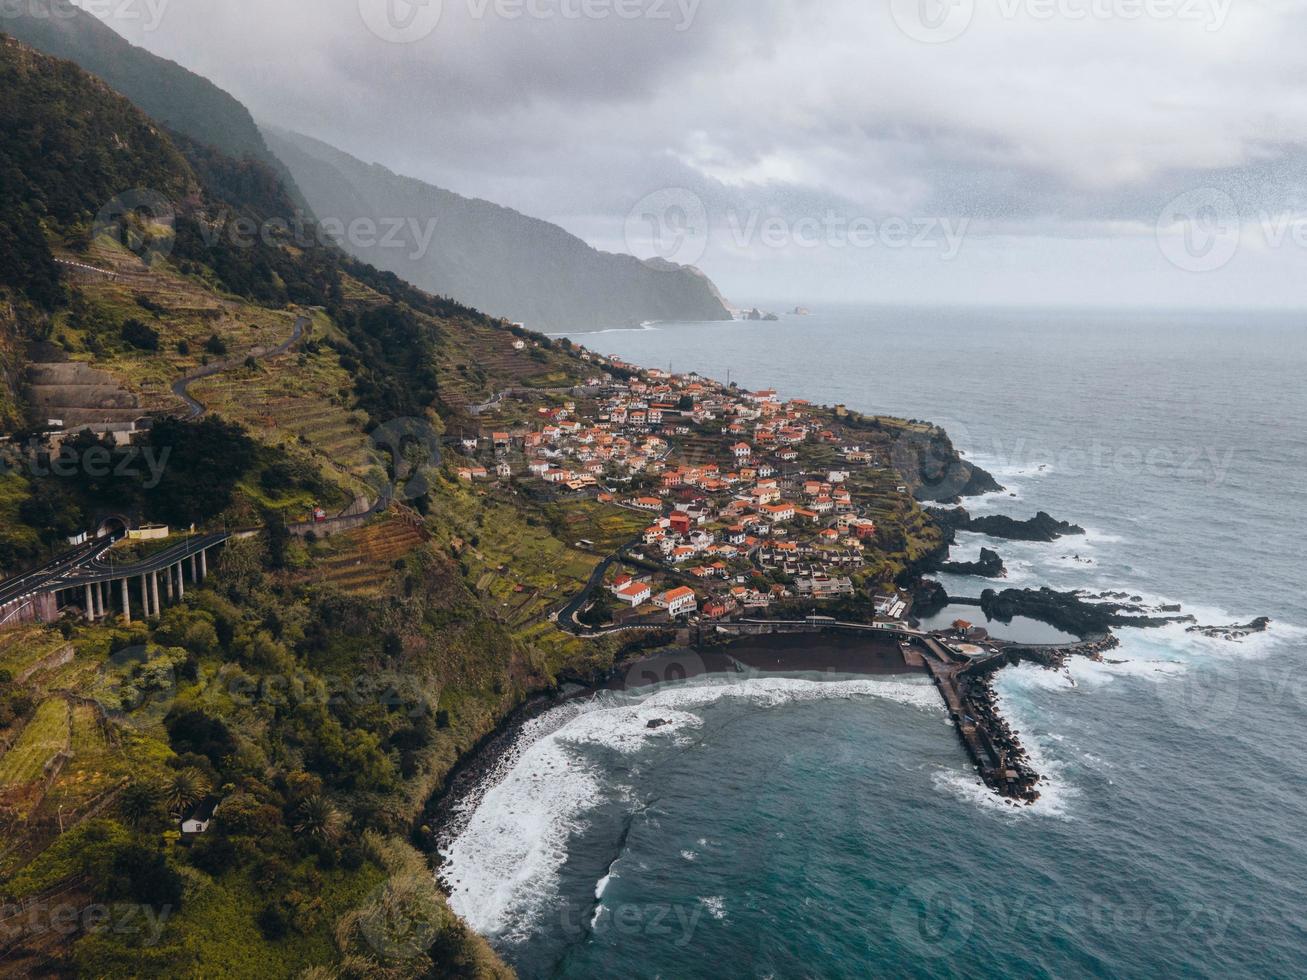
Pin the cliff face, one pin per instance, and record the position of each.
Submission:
(490, 257)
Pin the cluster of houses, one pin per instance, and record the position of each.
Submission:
(721, 473)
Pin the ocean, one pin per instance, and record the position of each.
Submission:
(830, 826)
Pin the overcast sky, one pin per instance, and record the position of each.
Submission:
(1000, 151)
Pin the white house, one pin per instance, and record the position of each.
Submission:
(635, 593)
(677, 602)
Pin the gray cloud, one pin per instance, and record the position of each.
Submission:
(1058, 137)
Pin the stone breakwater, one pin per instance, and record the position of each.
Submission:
(995, 748)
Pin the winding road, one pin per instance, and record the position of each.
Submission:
(181, 387)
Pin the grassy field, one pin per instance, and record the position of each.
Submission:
(46, 735)
(22, 647)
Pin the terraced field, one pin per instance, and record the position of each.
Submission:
(188, 311)
(24, 767)
(94, 768)
(520, 569)
(360, 562)
(22, 648)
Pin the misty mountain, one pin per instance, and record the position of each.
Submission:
(490, 257)
(165, 91)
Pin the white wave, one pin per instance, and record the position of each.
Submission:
(716, 906)
(1055, 790)
(508, 842)
(970, 789)
(689, 855)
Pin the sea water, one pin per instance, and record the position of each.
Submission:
(832, 827)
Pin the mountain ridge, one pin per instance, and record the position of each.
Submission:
(492, 257)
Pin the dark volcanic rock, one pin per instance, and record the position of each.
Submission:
(1233, 632)
(980, 482)
(928, 597)
(990, 565)
(1067, 611)
(1041, 527)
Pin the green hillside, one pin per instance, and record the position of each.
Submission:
(320, 792)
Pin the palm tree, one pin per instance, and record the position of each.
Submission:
(186, 788)
(316, 817)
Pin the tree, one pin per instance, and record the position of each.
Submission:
(140, 336)
(316, 817)
(215, 345)
(185, 789)
(141, 803)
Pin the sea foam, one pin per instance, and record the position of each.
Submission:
(507, 841)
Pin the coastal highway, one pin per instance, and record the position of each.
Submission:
(86, 565)
(40, 579)
(98, 570)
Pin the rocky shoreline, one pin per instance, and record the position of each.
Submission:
(990, 565)
(1043, 527)
(1071, 612)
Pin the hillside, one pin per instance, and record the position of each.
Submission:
(491, 257)
(164, 90)
(322, 793)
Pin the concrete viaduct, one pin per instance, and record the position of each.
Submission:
(85, 577)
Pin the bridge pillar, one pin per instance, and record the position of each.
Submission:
(181, 580)
(204, 564)
(154, 592)
(106, 600)
(127, 601)
(90, 604)
(167, 584)
(145, 597)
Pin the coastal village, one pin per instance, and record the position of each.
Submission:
(751, 500)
